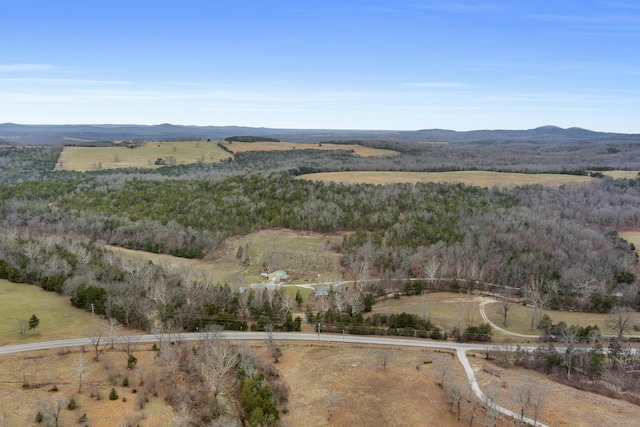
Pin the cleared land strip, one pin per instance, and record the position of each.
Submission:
(459, 348)
(477, 178)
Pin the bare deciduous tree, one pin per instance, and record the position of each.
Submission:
(274, 348)
(22, 327)
(80, 368)
(538, 400)
(218, 357)
(95, 332)
(443, 370)
(112, 327)
(569, 336)
(522, 395)
(384, 356)
(455, 398)
(504, 307)
(330, 402)
(619, 319)
(51, 408)
(537, 299)
(492, 410)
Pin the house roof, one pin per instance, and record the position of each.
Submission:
(281, 274)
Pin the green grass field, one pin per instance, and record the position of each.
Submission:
(477, 178)
(58, 318)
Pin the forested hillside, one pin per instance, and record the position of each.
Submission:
(510, 236)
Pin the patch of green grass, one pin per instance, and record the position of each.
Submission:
(444, 309)
(58, 318)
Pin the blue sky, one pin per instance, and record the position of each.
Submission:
(349, 64)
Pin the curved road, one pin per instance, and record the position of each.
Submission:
(498, 328)
(460, 349)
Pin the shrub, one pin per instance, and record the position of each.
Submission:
(131, 361)
(113, 395)
(125, 382)
(39, 417)
(72, 404)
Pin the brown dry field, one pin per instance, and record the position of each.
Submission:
(617, 174)
(358, 150)
(563, 406)
(93, 158)
(44, 369)
(406, 394)
(477, 178)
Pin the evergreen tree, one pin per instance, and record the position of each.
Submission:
(33, 323)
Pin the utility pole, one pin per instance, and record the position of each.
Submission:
(319, 331)
(93, 310)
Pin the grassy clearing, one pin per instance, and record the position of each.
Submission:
(58, 319)
(621, 174)
(358, 150)
(281, 248)
(449, 309)
(632, 237)
(477, 178)
(519, 319)
(442, 308)
(185, 152)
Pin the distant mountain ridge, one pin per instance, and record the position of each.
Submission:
(58, 134)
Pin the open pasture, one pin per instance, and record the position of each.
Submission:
(58, 318)
(476, 178)
(451, 309)
(184, 152)
(519, 319)
(618, 174)
(358, 150)
(279, 248)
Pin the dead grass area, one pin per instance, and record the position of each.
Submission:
(563, 405)
(45, 369)
(618, 174)
(366, 395)
(477, 178)
(94, 158)
(405, 394)
(358, 150)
